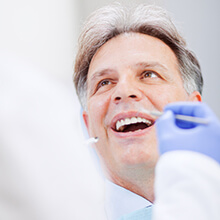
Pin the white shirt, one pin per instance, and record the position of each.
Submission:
(120, 201)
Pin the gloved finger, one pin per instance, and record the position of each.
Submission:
(196, 109)
(183, 108)
(203, 110)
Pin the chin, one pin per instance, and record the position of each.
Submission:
(134, 156)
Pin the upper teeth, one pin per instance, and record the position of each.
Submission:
(128, 121)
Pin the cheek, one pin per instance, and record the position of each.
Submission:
(97, 108)
(162, 95)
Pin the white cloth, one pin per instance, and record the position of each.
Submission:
(187, 186)
(45, 171)
(120, 201)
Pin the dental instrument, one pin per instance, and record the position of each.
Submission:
(182, 117)
(91, 140)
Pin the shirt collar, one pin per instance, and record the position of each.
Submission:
(120, 201)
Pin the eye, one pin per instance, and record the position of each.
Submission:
(103, 83)
(149, 74)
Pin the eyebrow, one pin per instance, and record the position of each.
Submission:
(101, 73)
(151, 65)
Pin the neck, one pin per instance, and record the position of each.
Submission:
(140, 183)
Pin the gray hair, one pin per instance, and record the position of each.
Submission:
(113, 20)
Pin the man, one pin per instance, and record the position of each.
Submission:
(130, 62)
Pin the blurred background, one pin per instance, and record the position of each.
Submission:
(45, 170)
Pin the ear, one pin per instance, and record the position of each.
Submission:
(195, 97)
(86, 119)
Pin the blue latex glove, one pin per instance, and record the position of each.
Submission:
(174, 134)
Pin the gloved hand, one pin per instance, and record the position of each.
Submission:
(174, 134)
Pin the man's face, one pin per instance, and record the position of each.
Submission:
(128, 75)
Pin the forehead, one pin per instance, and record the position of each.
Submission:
(129, 49)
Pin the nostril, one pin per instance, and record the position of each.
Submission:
(132, 96)
(117, 98)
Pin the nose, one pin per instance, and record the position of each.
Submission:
(126, 90)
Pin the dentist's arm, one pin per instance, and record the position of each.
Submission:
(187, 184)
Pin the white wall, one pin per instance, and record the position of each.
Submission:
(41, 32)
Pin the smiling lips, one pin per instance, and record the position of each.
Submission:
(132, 124)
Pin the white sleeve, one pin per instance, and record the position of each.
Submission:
(187, 187)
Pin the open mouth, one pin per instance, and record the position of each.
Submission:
(132, 124)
